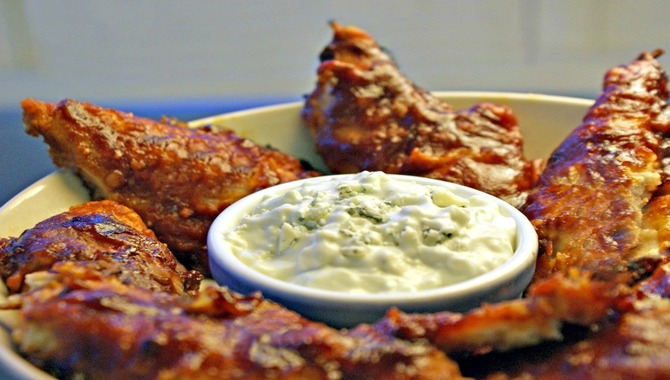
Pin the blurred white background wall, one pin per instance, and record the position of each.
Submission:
(169, 49)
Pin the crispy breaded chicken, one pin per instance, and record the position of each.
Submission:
(104, 235)
(176, 178)
(576, 328)
(364, 114)
(601, 212)
(601, 203)
(112, 302)
(632, 343)
(84, 325)
(634, 346)
(538, 317)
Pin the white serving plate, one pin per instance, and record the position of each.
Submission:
(545, 121)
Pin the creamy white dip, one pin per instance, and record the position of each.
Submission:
(371, 233)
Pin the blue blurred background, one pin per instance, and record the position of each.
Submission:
(193, 59)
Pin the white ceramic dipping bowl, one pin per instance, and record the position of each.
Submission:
(345, 309)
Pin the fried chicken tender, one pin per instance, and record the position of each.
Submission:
(364, 114)
(635, 346)
(631, 344)
(517, 323)
(601, 203)
(84, 324)
(176, 178)
(105, 235)
(601, 212)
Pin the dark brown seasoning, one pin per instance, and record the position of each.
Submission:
(178, 179)
(85, 321)
(365, 115)
(604, 187)
(103, 235)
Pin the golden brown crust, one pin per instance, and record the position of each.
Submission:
(536, 318)
(634, 346)
(99, 328)
(601, 214)
(597, 203)
(365, 115)
(176, 178)
(103, 235)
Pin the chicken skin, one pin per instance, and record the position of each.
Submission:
(176, 178)
(601, 210)
(601, 203)
(365, 115)
(632, 344)
(100, 298)
(104, 235)
(87, 324)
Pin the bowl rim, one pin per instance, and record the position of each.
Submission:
(525, 254)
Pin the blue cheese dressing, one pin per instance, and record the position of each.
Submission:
(371, 233)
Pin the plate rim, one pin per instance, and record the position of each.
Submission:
(470, 95)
